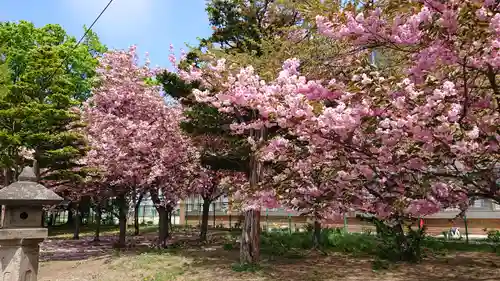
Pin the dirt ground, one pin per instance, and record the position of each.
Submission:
(66, 260)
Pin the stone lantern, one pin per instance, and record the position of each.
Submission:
(21, 231)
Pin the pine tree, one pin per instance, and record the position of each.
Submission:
(49, 79)
(5, 140)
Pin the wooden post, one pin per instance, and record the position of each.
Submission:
(346, 227)
(290, 223)
(267, 220)
(182, 213)
(466, 230)
(213, 212)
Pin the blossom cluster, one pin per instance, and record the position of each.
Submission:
(405, 144)
(134, 135)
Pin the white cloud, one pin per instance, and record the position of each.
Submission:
(121, 16)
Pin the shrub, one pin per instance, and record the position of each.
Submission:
(438, 245)
(396, 245)
(282, 242)
(352, 243)
(366, 230)
(228, 246)
(390, 244)
(493, 236)
(309, 227)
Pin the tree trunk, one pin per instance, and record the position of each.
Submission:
(164, 221)
(170, 224)
(317, 234)
(98, 222)
(57, 217)
(204, 219)
(136, 214)
(84, 209)
(409, 247)
(76, 224)
(8, 176)
(36, 169)
(163, 226)
(400, 240)
(44, 217)
(136, 220)
(71, 219)
(52, 219)
(250, 238)
(250, 234)
(122, 203)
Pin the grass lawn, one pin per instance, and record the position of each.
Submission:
(216, 264)
(83, 260)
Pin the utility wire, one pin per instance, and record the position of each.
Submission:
(80, 41)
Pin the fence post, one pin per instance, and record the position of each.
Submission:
(345, 223)
(199, 213)
(466, 230)
(267, 220)
(290, 223)
(213, 211)
(186, 206)
(143, 214)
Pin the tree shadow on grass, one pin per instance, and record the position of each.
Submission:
(315, 267)
(465, 266)
(460, 266)
(212, 262)
(85, 247)
(64, 249)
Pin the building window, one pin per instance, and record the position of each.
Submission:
(496, 206)
(479, 203)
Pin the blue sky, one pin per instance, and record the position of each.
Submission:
(150, 24)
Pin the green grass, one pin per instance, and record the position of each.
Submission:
(150, 266)
(458, 246)
(285, 256)
(238, 267)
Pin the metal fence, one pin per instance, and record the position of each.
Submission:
(148, 215)
(221, 216)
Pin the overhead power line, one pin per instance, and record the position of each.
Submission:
(79, 41)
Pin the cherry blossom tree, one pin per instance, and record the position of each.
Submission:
(438, 119)
(135, 137)
(243, 91)
(400, 145)
(428, 138)
(214, 79)
(211, 185)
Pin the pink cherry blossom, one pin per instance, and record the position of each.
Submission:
(396, 145)
(134, 135)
